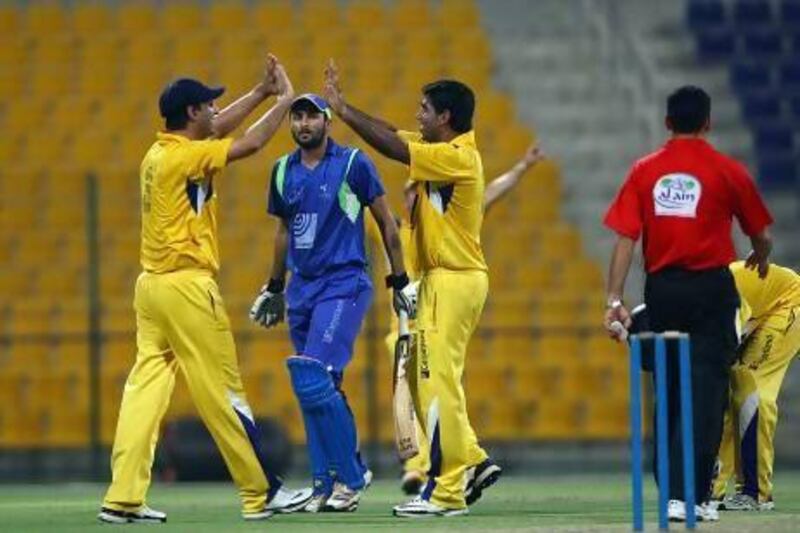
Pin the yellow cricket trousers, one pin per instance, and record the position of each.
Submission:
(450, 305)
(749, 429)
(181, 323)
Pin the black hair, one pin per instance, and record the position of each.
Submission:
(455, 97)
(688, 109)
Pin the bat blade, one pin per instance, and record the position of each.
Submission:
(405, 429)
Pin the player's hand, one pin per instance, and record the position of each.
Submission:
(754, 262)
(532, 156)
(269, 83)
(617, 321)
(404, 297)
(333, 92)
(269, 306)
(284, 84)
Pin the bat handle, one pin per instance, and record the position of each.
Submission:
(402, 323)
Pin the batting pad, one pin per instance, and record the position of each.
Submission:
(326, 413)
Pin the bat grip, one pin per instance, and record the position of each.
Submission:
(402, 323)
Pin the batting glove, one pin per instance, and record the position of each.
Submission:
(269, 306)
(405, 294)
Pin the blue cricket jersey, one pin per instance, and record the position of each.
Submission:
(323, 210)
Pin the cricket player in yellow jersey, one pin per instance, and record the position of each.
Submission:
(771, 343)
(416, 468)
(445, 165)
(181, 323)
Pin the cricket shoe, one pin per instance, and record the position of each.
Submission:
(145, 515)
(317, 502)
(412, 482)
(676, 512)
(284, 501)
(419, 508)
(739, 502)
(342, 500)
(767, 505)
(367, 478)
(480, 478)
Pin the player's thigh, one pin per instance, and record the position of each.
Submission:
(299, 323)
(335, 324)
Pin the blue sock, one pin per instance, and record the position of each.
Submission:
(324, 408)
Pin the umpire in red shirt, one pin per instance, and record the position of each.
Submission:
(681, 200)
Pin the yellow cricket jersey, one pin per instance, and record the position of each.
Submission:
(179, 203)
(447, 217)
(777, 293)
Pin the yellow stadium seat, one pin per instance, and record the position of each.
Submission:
(605, 418)
(13, 48)
(272, 15)
(410, 15)
(43, 18)
(9, 19)
(495, 419)
(319, 14)
(364, 14)
(51, 81)
(192, 49)
(18, 219)
(69, 113)
(559, 347)
(549, 418)
(12, 83)
(179, 17)
(228, 16)
(31, 317)
(71, 358)
(135, 17)
(91, 18)
(53, 50)
(24, 115)
(534, 276)
(461, 14)
(37, 249)
(578, 274)
(560, 242)
(287, 44)
(64, 283)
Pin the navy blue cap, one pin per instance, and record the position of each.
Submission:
(316, 100)
(185, 92)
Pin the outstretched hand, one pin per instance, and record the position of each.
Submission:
(533, 155)
(333, 93)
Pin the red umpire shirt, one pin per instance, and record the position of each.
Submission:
(681, 199)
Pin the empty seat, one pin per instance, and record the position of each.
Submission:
(750, 77)
(716, 44)
(764, 43)
(790, 13)
(228, 16)
(703, 14)
(774, 139)
(778, 172)
(790, 75)
(752, 13)
(761, 108)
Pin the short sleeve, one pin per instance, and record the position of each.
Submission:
(748, 206)
(363, 179)
(275, 204)
(441, 162)
(410, 136)
(625, 215)
(207, 158)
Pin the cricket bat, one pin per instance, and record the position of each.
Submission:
(405, 429)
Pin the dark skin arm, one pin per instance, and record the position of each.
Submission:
(376, 132)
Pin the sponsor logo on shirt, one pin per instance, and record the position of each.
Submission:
(304, 230)
(677, 195)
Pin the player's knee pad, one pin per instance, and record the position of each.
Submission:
(311, 381)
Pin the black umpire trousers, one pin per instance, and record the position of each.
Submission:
(703, 304)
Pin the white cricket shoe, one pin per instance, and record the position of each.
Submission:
(676, 512)
(289, 501)
(317, 502)
(145, 515)
(342, 500)
(419, 508)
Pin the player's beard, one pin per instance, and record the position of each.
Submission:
(314, 141)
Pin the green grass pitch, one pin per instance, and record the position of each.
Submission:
(547, 503)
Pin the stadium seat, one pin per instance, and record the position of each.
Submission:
(776, 139)
(761, 109)
(716, 44)
(790, 75)
(180, 16)
(91, 18)
(778, 172)
(45, 18)
(9, 19)
(705, 13)
(267, 16)
(748, 77)
(228, 16)
(752, 13)
(763, 44)
(135, 17)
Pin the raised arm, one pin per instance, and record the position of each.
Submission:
(265, 128)
(232, 116)
(376, 132)
(501, 185)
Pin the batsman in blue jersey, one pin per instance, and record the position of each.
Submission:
(319, 192)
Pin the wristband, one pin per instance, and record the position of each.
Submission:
(276, 286)
(397, 282)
